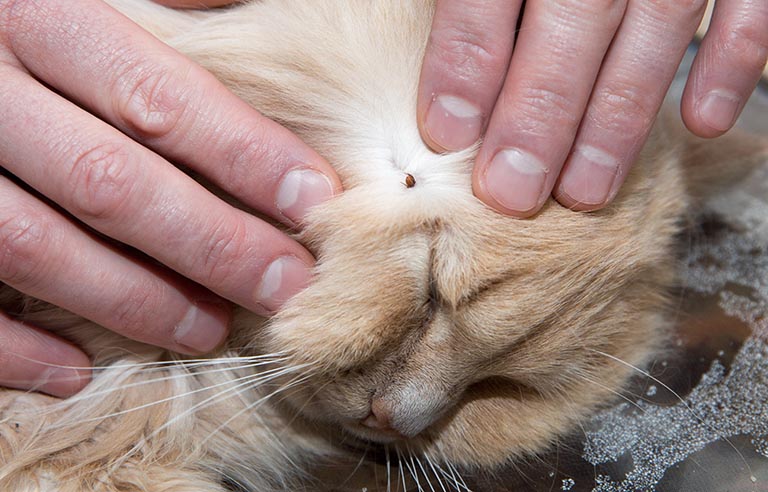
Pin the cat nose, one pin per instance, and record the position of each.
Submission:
(380, 418)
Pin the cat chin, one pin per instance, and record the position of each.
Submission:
(373, 435)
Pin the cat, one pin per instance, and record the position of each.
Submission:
(434, 324)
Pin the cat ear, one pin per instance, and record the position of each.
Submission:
(713, 165)
(163, 22)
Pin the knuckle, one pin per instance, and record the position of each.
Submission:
(747, 46)
(101, 181)
(11, 11)
(250, 155)
(221, 251)
(622, 106)
(592, 7)
(548, 105)
(468, 54)
(131, 313)
(24, 244)
(149, 99)
(678, 8)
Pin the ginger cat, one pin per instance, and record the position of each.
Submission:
(434, 324)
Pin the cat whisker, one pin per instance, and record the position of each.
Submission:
(253, 405)
(611, 390)
(172, 377)
(459, 480)
(266, 375)
(357, 467)
(300, 411)
(249, 383)
(400, 472)
(646, 374)
(424, 473)
(389, 470)
(412, 469)
(682, 401)
(434, 471)
(162, 363)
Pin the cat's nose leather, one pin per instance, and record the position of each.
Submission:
(380, 418)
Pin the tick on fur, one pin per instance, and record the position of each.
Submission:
(410, 181)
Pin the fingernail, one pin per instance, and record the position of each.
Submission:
(62, 382)
(718, 109)
(515, 179)
(590, 176)
(453, 123)
(282, 279)
(203, 327)
(300, 190)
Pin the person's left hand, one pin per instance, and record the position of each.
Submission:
(571, 107)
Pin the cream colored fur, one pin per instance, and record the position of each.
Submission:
(485, 335)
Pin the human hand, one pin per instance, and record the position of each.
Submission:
(570, 109)
(92, 106)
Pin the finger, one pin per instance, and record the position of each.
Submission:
(630, 89)
(195, 4)
(464, 65)
(130, 194)
(159, 97)
(727, 67)
(560, 48)
(47, 257)
(33, 359)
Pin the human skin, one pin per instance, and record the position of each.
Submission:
(95, 111)
(568, 112)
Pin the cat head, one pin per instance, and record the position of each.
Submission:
(432, 320)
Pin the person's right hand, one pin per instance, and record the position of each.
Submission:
(84, 95)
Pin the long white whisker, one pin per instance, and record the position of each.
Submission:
(389, 472)
(250, 380)
(412, 470)
(186, 374)
(254, 404)
(424, 473)
(437, 475)
(623, 397)
(684, 403)
(455, 473)
(265, 375)
(400, 468)
(131, 365)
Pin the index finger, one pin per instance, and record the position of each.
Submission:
(118, 71)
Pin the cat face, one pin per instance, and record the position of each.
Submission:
(433, 321)
(436, 322)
